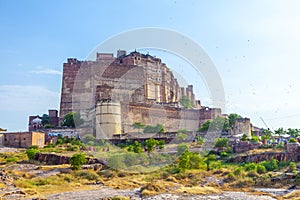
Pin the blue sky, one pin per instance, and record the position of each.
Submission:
(254, 45)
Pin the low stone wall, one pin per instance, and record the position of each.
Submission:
(54, 159)
(244, 146)
(256, 158)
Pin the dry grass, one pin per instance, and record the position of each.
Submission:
(295, 195)
(197, 190)
(158, 187)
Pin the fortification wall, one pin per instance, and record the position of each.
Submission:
(173, 118)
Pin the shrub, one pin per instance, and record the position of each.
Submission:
(221, 142)
(238, 171)
(292, 167)
(250, 167)
(73, 148)
(31, 153)
(223, 154)
(137, 147)
(86, 174)
(200, 140)
(244, 137)
(12, 159)
(77, 160)
(254, 139)
(33, 147)
(297, 179)
(261, 169)
(230, 177)
(270, 165)
(293, 140)
(161, 144)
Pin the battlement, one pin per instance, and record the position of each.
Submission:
(105, 56)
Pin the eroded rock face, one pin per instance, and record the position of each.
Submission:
(54, 159)
(293, 148)
(282, 156)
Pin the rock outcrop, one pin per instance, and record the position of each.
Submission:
(256, 158)
(54, 159)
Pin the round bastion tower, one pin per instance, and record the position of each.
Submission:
(108, 119)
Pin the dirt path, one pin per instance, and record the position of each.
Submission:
(106, 192)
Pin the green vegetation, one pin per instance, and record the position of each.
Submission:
(232, 118)
(77, 160)
(31, 152)
(186, 102)
(72, 120)
(138, 125)
(159, 128)
(218, 124)
(244, 137)
(221, 142)
(293, 140)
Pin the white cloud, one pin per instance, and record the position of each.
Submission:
(42, 70)
(27, 98)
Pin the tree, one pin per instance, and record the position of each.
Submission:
(210, 158)
(266, 134)
(280, 131)
(218, 124)
(77, 160)
(45, 119)
(204, 126)
(72, 119)
(221, 142)
(244, 137)
(232, 118)
(137, 147)
(293, 132)
(186, 102)
(31, 153)
(151, 144)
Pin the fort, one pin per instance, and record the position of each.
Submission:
(111, 93)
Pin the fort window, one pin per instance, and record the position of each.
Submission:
(24, 138)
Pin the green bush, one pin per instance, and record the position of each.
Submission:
(12, 159)
(161, 144)
(261, 169)
(221, 142)
(292, 167)
(254, 139)
(223, 154)
(77, 160)
(244, 137)
(238, 171)
(293, 140)
(33, 147)
(270, 165)
(86, 174)
(31, 153)
(250, 167)
(297, 179)
(73, 148)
